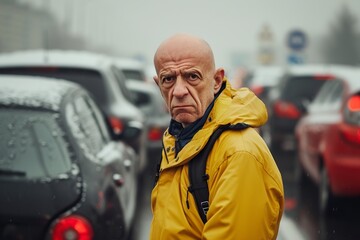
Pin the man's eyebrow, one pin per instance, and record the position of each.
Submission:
(191, 70)
(167, 72)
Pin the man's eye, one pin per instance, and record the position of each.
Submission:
(167, 79)
(193, 76)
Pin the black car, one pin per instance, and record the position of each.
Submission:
(288, 101)
(61, 175)
(96, 73)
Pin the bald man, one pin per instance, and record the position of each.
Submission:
(246, 195)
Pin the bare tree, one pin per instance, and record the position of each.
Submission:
(341, 45)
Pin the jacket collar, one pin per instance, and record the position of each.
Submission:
(184, 135)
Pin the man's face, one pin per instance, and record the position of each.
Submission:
(187, 84)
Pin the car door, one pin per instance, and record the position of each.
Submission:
(116, 158)
(323, 112)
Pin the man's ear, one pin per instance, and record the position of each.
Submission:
(156, 79)
(218, 77)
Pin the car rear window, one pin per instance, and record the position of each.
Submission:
(134, 74)
(90, 79)
(32, 144)
(304, 87)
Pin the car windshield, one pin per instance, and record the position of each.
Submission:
(31, 145)
(304, 87)
(89, 79)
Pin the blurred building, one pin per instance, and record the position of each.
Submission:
(24, 27)
(21, 27)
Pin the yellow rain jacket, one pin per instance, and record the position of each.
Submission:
(245, 187)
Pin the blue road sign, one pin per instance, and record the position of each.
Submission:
(297, 40)
(295, 59)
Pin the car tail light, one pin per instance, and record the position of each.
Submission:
(116, 124)
(352, 110)
(155, 134)
(286, 110)
(351, 131)
(324, 77)
(72, 228)
(354, 103)
(258, 90)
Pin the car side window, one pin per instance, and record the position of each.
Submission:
(85, 126)
(89, 126)
(99, 118)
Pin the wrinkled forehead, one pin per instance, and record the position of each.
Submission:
(182, 49)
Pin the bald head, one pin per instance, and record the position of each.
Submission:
(180, 46)
(186, 76)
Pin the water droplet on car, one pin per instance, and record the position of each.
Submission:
(11, 126)
(11, 143)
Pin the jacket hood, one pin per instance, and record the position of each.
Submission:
(239, 106)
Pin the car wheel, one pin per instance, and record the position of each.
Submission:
(326, 198)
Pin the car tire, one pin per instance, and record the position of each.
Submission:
(327, 200)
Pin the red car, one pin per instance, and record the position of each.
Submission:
(328, 139)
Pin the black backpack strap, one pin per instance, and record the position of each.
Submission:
(197, 171)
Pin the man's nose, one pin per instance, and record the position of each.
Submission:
(180, 88)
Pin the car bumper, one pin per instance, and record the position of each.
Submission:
(344, 174)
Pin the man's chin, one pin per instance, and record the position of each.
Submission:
(185, 119)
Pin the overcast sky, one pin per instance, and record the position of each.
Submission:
(231, 27)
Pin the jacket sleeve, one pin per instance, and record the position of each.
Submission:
(246, 200)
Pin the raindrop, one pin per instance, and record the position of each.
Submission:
(11, 143)
(63, 176)
(11, 126)
(74, 170)
(55, 133)
(12, 156)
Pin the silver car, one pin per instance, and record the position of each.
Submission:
(97, 74)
